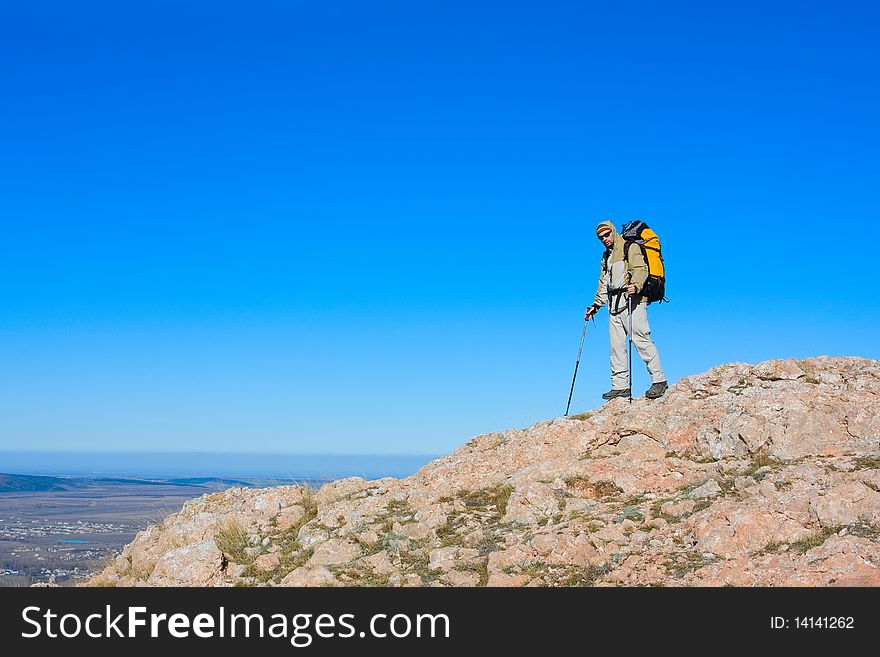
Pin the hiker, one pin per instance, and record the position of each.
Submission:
(623, 275)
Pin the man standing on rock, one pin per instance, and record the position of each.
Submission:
(623, 275)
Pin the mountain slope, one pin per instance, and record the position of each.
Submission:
(13, 483)
(764, 474)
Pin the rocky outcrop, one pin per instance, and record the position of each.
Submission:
(746, 475)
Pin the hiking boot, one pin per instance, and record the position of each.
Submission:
(611, 394)
(656, 390)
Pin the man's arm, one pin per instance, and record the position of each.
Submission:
(638, 268)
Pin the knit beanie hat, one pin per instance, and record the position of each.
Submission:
(604, 226)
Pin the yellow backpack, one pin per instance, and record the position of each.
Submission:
(638, 232)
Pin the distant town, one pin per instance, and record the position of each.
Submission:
(42, 555)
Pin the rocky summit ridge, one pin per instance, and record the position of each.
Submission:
(745, 475)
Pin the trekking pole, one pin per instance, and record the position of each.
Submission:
(576, 363)
(629, 361)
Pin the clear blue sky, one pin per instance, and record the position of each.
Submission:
(367, 227)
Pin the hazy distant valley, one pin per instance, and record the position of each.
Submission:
(60, 529)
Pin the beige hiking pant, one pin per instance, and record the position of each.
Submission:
(618, 329)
